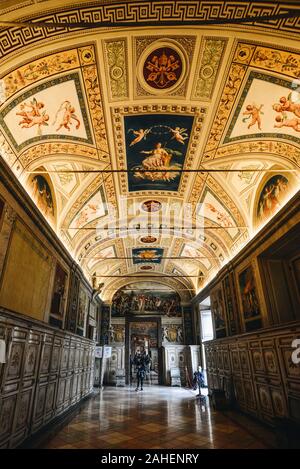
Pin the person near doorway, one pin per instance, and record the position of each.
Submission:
(198, 381)
(141, 361)
(140, 376)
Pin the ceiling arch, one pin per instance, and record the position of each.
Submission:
(190, 148)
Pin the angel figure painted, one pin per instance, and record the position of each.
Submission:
(156, 147)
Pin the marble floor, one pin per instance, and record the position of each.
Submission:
(158, 417)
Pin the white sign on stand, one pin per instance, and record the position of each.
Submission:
(107, 352)
(98, 352)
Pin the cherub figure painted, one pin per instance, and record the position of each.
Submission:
(221, 217)
(253, 111)
(179, 134)
(140, 135)
(282, 121)
(67, 116)
(287, 105)
(32, 115)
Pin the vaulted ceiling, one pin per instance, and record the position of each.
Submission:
(186, 134)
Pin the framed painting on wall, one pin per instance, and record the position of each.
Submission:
(218, 312)
(188, 325)
(230, 306)
(105, 320)
(93, 315)
(82, 310)
(57, 310)
(250, 306)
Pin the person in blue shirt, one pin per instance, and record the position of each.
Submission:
(198, 380)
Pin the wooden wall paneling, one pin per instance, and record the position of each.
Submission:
(13, 383)
(266, 381)
(7, 411)
(79, 369)
(82, 370)
(8, 399)
(227, 371)
(72, 356)
(61, 401)
(264, 400)
(219, 367)
(90, 380)
(269, 384)
(211, 371)
(42, 381)
(248, 401)
(226, 358)
(257, 368)
(23, 424)
(75, 373)
(18, 384)
(81, 374)
(55, 368)
(290, 373)
(86, 370)
(43, 366)
(237, 375)
(90, 368)
(250, 396)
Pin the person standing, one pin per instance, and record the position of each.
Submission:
(140, 375)
(141, 361)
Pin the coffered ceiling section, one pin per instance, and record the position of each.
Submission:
(154, 152)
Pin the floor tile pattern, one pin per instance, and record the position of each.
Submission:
(158, 417)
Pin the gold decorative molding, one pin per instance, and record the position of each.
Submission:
(231, 88)
(94, 98)
(209, 62)
(286, 151)
(38, 69)
(43, 150)
(273, 59)
(116, 65)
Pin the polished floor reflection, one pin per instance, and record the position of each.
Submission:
(158, 417)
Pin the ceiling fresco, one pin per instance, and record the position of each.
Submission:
(35, 114)
(156, 152)
(161, 144)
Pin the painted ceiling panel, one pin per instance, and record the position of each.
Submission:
(187, 135)
(35, 115)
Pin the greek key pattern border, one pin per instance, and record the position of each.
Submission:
(137, 13)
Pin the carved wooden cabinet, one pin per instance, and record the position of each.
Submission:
(265, 381)
(46, 371)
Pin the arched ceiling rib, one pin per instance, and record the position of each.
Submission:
(76, 105)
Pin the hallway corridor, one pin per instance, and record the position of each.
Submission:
(158, 417)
